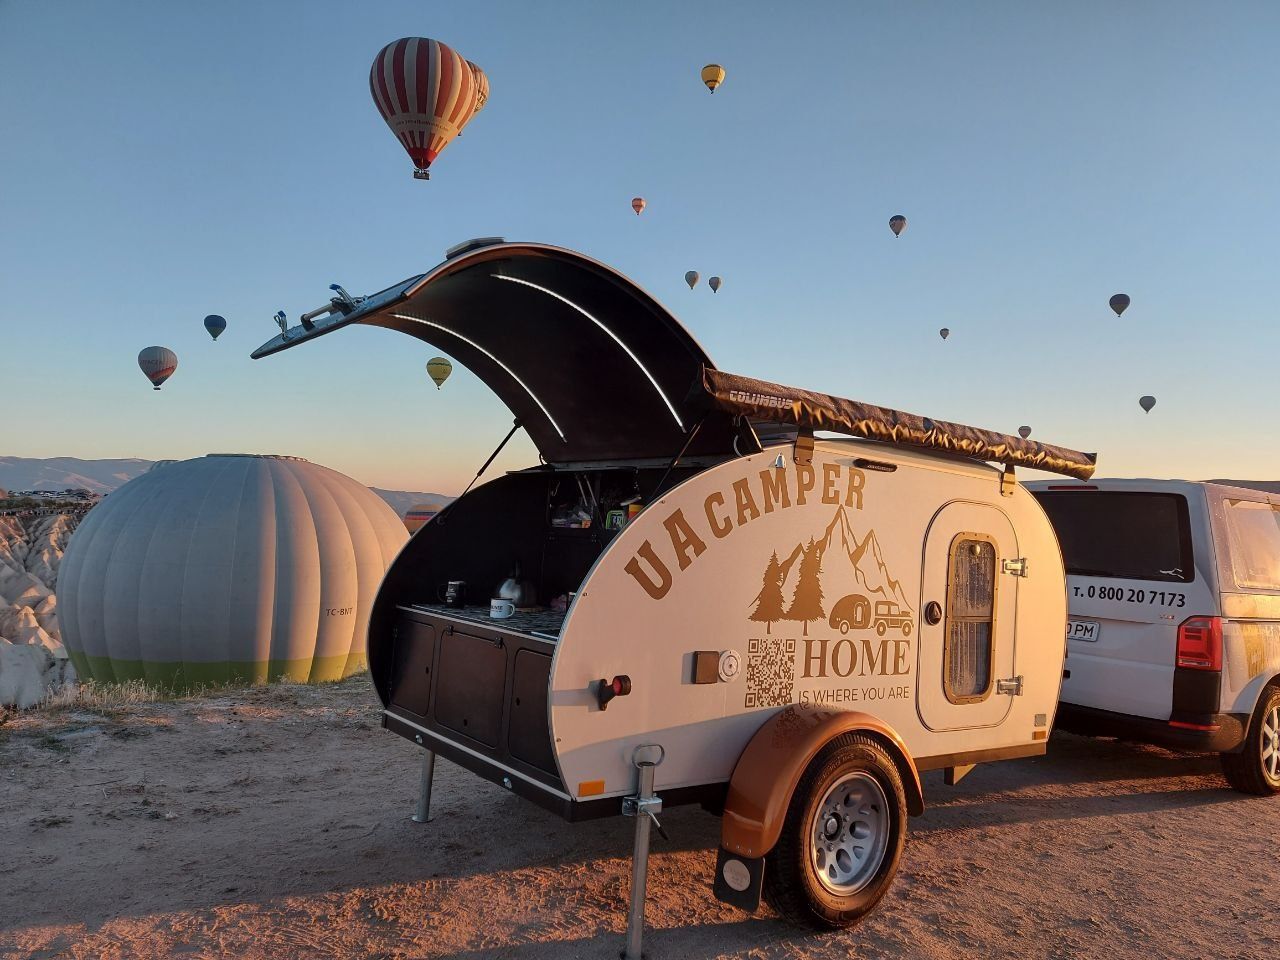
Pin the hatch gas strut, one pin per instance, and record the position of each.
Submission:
(493, 456)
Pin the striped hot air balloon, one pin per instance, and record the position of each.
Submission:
(482, 86)
(419, 514)
(426, 92)
(158, 363)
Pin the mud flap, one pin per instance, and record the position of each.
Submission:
(739, 880)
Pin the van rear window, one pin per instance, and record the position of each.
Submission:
(1132, 536)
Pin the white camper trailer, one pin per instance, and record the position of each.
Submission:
(692, 599)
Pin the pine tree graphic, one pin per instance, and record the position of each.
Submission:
(769, 600)
(806, 602)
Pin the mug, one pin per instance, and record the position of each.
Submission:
(501, 609)
(455, 593)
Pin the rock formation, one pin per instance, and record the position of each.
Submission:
(32, 659)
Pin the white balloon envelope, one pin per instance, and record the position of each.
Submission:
(226, 568)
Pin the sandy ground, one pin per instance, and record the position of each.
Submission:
(275, 824)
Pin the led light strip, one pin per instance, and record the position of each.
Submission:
(510, 372)
(634, 358)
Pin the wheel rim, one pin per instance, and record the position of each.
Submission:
(1269, 743)
(850, 833)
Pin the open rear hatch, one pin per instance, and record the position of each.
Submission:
(593, 367)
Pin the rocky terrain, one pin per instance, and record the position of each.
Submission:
(33, 660)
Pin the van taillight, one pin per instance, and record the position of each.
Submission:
(1200, 643)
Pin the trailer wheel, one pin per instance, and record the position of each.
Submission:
(843, 836)
(1256, 768)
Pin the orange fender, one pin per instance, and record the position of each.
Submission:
(773, 762)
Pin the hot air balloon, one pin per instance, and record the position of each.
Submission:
(691, 278)
(713, 76)
(226, 568)
(897, 223)
(944, 333)
(426, 93)
(158, 363)
(1119, 303)
(439, 369)
(1024, 432)
(714, 284)
(637, 204)
(1146, 403)
(215, 325)
(482, 86)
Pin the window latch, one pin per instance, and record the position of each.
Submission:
(1015, 568)
(1011, 687)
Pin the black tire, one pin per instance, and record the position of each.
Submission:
(792, 884)
(1253, 770)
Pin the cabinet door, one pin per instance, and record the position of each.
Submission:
(473, 683)
(972, 646)
(415, 650)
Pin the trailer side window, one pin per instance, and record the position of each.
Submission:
(1253, 534)
(970, 626)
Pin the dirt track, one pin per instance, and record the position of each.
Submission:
(277, 825)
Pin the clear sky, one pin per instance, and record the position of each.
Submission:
(160, 161)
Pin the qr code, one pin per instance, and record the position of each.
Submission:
(771, 672)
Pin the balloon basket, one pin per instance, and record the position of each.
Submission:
(421, 174)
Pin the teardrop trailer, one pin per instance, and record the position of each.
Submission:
(783, 628)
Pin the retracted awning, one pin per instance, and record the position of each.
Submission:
(761, 400)
(592, 366)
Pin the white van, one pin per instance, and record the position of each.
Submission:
(1173, 631)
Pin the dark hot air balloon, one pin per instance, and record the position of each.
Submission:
(691, 278)
(897, 223)
(438, 368)
(944, 333)
(1146, 403)
(158, 363)
(713, 76)
(637, 204)
(1119, 303)
(714, 284)
(426, 93)
(215, 325)
(1024, 432)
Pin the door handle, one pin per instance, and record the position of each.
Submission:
(933, 613)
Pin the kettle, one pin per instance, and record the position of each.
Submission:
(520, 592)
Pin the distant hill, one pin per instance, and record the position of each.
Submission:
(1266, 486)
(62, 473)
(103, 476)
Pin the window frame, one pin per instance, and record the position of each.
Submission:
(948, 619)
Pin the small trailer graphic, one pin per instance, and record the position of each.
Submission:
(721, 608)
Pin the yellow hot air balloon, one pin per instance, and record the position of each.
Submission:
(713, 76)
(438, 368)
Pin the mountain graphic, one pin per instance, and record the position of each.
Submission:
(870, 573)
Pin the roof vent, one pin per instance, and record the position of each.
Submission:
(466, 246)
